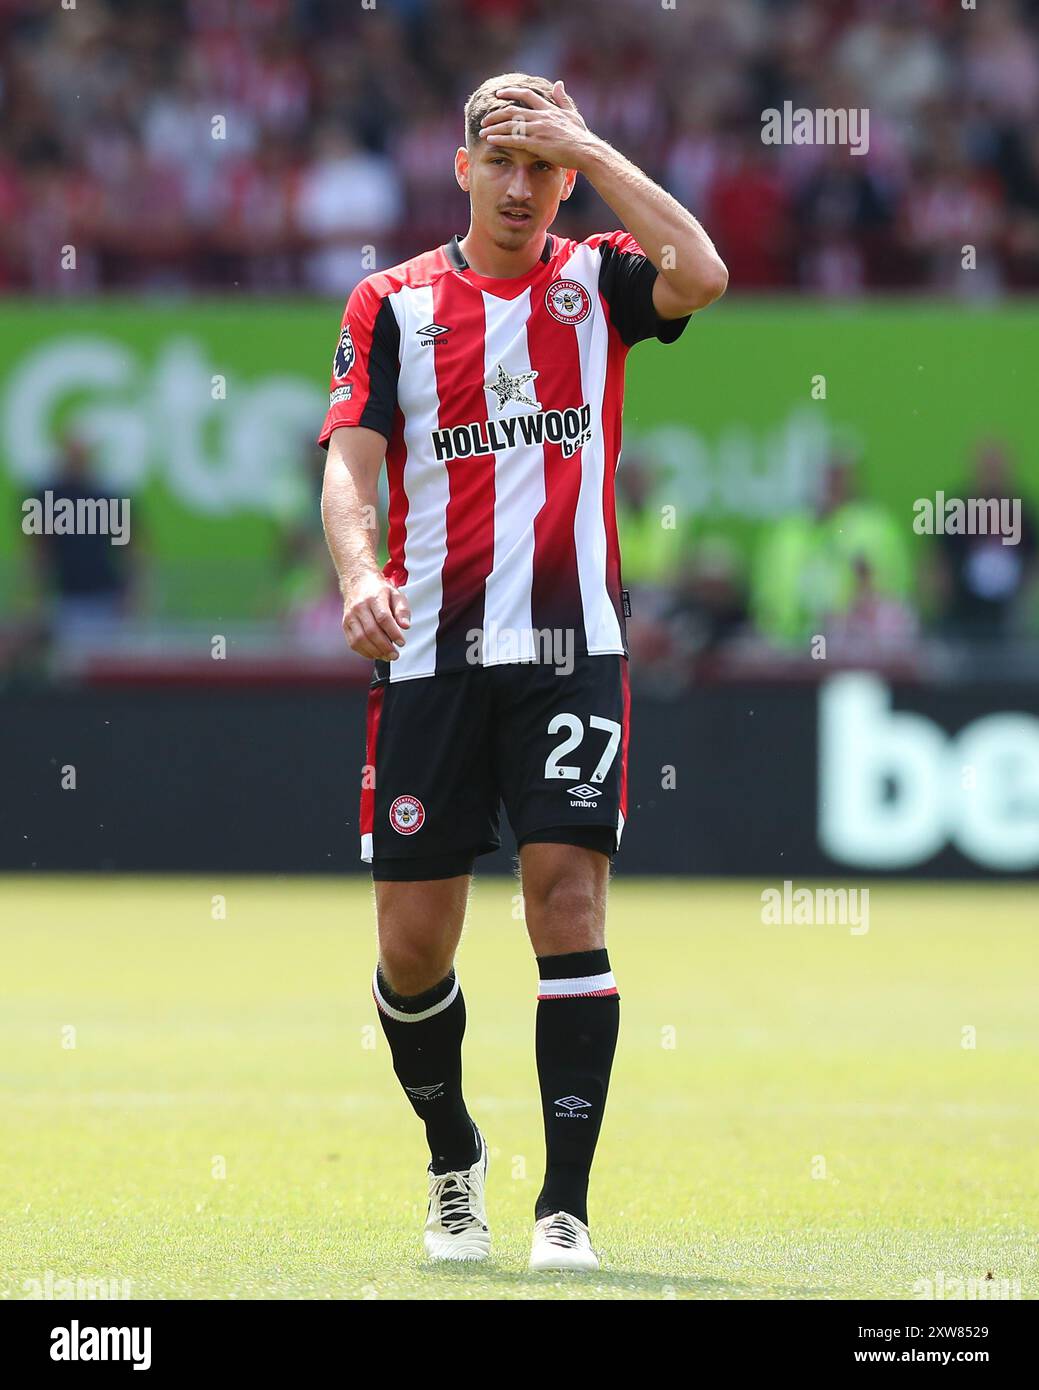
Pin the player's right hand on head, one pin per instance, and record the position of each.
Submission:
(376, 616)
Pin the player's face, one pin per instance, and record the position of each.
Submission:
(515, 195)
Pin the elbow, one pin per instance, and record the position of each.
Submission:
(713, 284)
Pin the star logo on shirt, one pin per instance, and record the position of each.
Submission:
(510, 388)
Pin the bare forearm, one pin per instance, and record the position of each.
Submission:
(669, 234)
(350, 517)
(691, 273)
(376, 614)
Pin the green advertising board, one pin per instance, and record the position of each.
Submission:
(204, 413)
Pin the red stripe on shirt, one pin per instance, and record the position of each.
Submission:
(460, 372)
(397, 517)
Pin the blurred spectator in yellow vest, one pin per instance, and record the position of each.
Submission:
(806, 563)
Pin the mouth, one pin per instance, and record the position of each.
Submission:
(516, 217)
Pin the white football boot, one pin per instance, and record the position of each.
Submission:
(562, 1242)
(456, 1224)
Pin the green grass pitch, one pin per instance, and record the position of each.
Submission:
(793, 1111)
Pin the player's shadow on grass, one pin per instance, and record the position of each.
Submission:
(613, 1281)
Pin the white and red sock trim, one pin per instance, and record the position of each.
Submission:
(578, 987)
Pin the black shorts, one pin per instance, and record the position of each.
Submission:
(444, 752)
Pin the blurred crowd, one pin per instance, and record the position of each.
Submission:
(261, 144)
(841, 580)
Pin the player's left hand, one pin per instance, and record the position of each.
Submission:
(553, 130)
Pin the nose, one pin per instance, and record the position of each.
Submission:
(519, 185)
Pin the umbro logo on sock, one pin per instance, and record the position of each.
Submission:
(425, 1092)
(571, 1105)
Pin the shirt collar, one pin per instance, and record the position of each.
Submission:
(456, 257)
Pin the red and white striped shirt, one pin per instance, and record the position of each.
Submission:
(501, 405)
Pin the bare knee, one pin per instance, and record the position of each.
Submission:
(411, 966)
(419, 928)
(564, 894)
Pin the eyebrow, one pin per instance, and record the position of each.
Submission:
(493, 151)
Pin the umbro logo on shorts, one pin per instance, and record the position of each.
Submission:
(586, 795)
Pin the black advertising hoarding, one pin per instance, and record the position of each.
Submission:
(854, 774)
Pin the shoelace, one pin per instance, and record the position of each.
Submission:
(454, 1194)
(562, 1231)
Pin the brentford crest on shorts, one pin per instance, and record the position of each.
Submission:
(407, 814)
(501, 443)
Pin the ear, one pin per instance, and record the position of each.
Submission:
(569, 179)
(462, 168)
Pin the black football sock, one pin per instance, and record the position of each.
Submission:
(578, 1018)
(425, 1034)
